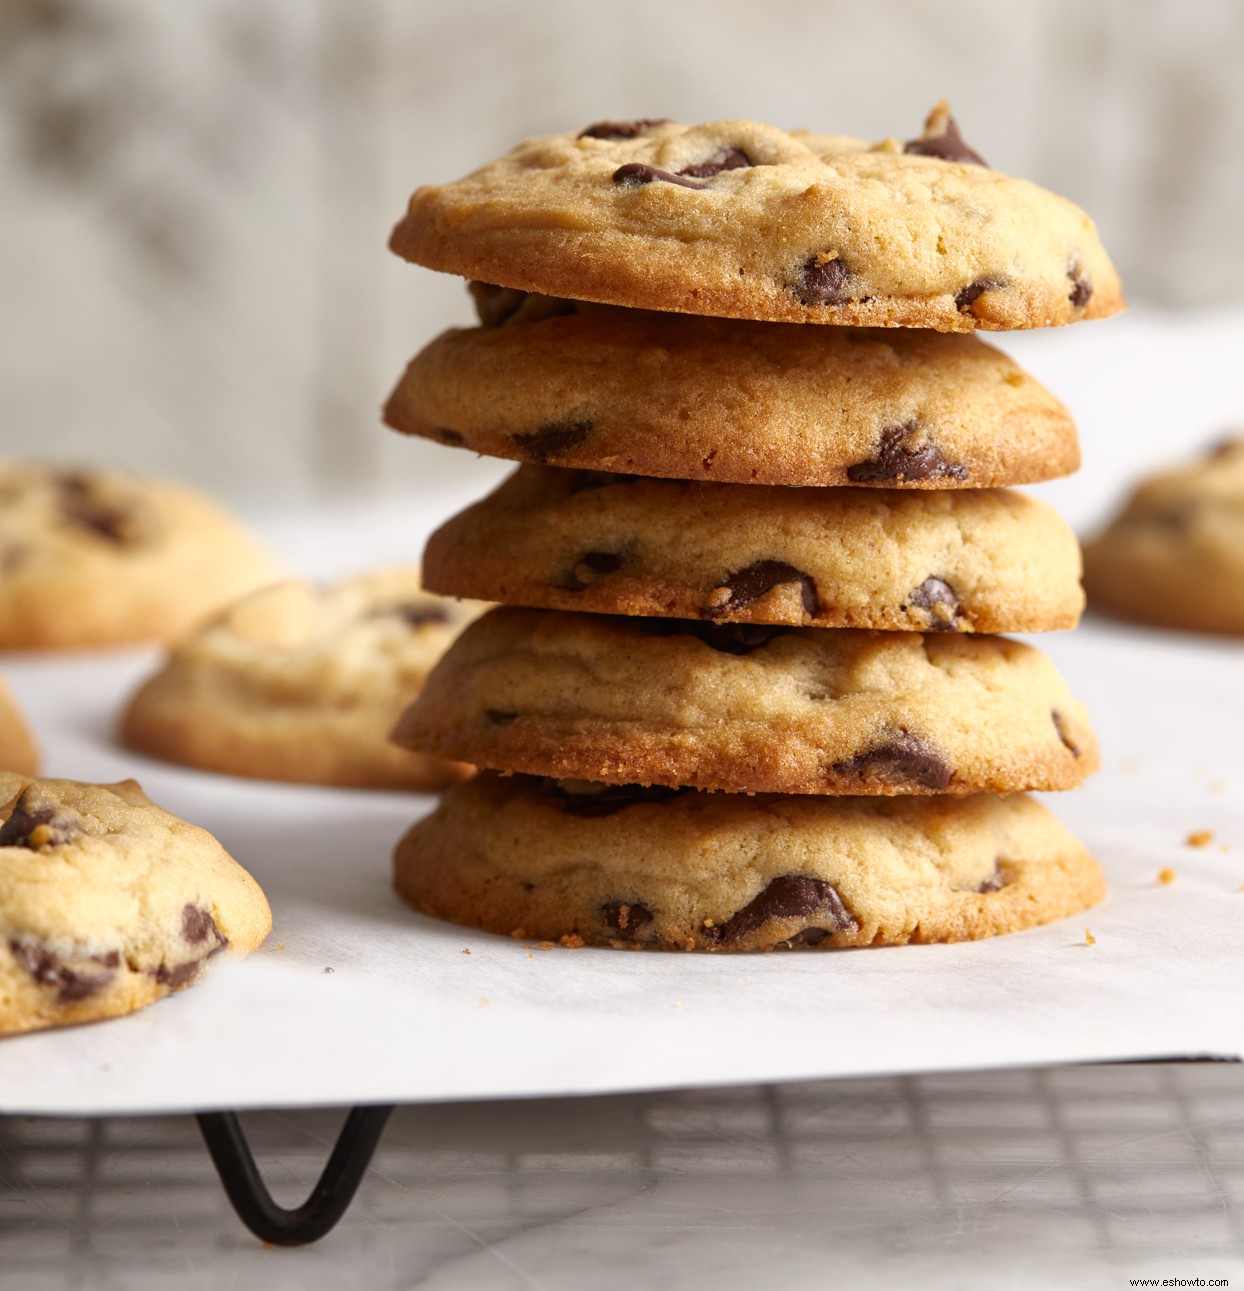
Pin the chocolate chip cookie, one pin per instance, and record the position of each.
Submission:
(108, 903)
(750, 709)
(633, 391)
(1174, 555)
(682, 870)
(970, 560)
(298, 682)
(738, 220)
(100, 558)
(17, 746)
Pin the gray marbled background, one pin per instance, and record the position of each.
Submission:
(194, 197)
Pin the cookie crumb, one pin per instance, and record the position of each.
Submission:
(519, 933)
(1166, 876)
(572, 941)
(1224, 847)
(1089, 939)
(547, 945)
(465, 951)
(330, 970)
(483, 1001)
(530, 955)
(1200, 838)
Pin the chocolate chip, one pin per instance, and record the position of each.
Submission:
(905, 759)
(792, 896)
(591, 562)
(72, 978)
(1081, 289)
(621, 129)
(753, 581)
(197, 925)
(417, 615)
(496, 717)
(895, 462)
(993, 883)
(553, 440)
(197, 928)
(808, 937)
(942, 139)
(609, 799)
(447, 436)
(587, 564)
(731, 159)
(38, 822)
(967, 296)
(728, 638)
(1061, 728)
(625, 918)
(940, 601)
(823, 281)
(635, 174)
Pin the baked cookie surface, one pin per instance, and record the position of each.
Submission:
(302, 683)
(18, 751)
(555, 381)
(100, 558)
(681, 870)
(971, 560)
(108, 902)
(739, 220)
(1174, 555)
(750, 709)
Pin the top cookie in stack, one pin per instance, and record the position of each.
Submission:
(802, 481)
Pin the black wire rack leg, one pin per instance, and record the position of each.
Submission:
(329, 1199)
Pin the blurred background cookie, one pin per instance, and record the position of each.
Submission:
(1174, 555)
(92, 558)
(303, 683)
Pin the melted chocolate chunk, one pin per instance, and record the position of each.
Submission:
(447, 436)
(38, 821)
(635, 174)
(553, 440)
(197, 926)
(1081, 289)
(82, 507)
(793, 896)
(625, 918)
(197, 929)
(497, 717)
(727, 638)
(823, 282)
(71, 978)
(967, 296)
(940, 601)
(501, 306)
(808, 937)
(417, 615)
(993, 883)
(753, 581)
(896, 463)
(609, 799)
(731, 159)
(905, 759)
(591, 562)
(945, 143)
(621, 129)
(1061, 728)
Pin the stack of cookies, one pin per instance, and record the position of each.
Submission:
(742, 690)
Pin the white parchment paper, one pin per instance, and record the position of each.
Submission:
(406, 1015)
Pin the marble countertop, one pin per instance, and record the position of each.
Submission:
(1064, 1177)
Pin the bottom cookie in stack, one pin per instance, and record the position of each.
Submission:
(680, 869)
